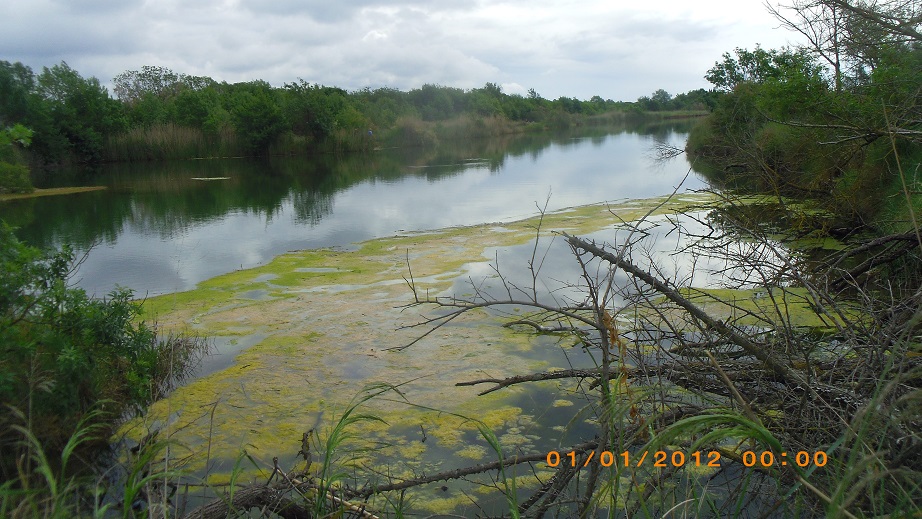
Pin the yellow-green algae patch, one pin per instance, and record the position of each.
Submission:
(793, 305)
(325, 329)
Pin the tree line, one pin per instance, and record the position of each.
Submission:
(155, 113)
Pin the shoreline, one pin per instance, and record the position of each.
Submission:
(54, 191)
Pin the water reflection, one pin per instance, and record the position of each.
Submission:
(561, 280)
(156, 229)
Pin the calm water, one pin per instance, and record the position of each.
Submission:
(158, 229)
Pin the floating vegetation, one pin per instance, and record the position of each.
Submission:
(307, 340)
(477, 398)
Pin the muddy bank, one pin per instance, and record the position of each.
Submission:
(54, 191)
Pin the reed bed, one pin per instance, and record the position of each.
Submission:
(171, 141)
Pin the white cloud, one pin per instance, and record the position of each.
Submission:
(574, 49)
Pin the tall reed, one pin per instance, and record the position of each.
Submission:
(171, 141)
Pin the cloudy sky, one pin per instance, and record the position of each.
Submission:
(577, 48)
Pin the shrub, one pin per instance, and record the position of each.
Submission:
(65, 356)
(14, 178)
(14, 175)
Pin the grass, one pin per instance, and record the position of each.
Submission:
(342, 432)
(46, 487)
(172, 141)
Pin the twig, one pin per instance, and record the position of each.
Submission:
(551, 375)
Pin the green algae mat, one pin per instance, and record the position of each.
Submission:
(298, 339)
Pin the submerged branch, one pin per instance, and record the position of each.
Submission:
(519, 379)
(631, 431)
(469, 471)
(758, 351)
(540, 328)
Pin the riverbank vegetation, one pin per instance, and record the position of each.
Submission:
(158, 114)
(836, 120)
(71, 369)
(14, 173)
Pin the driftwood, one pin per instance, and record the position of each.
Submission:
(271, 498)
(580, 449)
(266, 497)
(467, 471)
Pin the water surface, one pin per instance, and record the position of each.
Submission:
(161, 228)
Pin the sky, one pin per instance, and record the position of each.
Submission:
(611, 48)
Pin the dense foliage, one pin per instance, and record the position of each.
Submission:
(838, 120)
(14, 174)
(161, 114)
(66, 358)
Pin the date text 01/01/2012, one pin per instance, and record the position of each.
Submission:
(665, 459)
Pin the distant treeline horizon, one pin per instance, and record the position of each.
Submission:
(155, 113)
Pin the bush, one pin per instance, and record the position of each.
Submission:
(14, 175)
(14, 178)
(65, 356)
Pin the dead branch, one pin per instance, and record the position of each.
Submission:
(468, 471)
(519, 379)
(464, 306)
(758, 351)
(541, 328)
(673, 295)
(271, 497)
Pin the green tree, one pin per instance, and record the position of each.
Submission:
(569, 104)
(382, 106)
(437, 103)
(194, 107)
(700, 99)
(148, 110)
(662, 97)
(256, 114)
(80, 110)
(16, 84)
(21, 104)
(315, 110)
(660, 100)
(787, 124)
(757, 66)
(483, 104)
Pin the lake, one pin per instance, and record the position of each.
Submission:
(297, 338)
(165, 227)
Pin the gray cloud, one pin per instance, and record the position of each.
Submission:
(576, 49)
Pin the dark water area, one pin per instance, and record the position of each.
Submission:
(164, 227)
